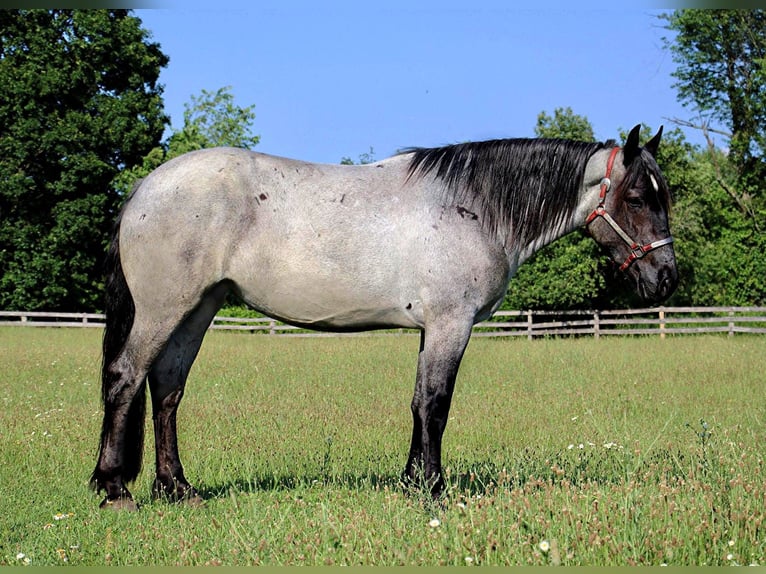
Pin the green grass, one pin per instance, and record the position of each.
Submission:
(596, 448)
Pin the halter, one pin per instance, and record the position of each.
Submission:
(637, 251)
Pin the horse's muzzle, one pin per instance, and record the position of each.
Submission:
(659, 290)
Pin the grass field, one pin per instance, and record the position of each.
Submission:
(609, 452)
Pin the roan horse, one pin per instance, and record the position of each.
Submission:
(427, 239)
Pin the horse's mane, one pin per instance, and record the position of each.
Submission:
(521, 187)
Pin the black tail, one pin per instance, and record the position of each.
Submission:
(120, 313)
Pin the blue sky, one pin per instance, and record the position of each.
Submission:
(332, 79)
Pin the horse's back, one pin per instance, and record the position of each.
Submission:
(298, 240)
(326, 246)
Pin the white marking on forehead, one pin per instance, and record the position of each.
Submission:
(654, 183)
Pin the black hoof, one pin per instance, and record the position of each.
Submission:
(419, 485)
(181, 493)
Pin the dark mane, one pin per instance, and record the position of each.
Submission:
(523, 187)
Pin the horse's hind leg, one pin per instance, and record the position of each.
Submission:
(124, 397)
(167, 380)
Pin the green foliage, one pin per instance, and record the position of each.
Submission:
(563, 275)
(721, 57)
(721, 258)
(79, 101)
(211, 119)
(364, 158)
(564, 124)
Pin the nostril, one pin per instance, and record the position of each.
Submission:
(664, 289)
(666, 284)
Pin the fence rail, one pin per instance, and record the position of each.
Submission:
(662, 321)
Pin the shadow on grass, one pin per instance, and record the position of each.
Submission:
(576, 467)
(282, 482)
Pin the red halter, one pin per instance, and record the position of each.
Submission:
(637, 251)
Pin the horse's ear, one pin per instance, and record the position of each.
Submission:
(652, 145)
(631, 149)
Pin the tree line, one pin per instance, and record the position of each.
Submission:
(82, 118)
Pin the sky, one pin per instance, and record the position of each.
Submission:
(334, 79)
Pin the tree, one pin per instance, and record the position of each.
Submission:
(721, 257)
(721, 218)
(721, 57)
(364, 158)
(564, 124)
(210, 119)
(79, 101)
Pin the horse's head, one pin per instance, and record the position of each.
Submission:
(631, 219)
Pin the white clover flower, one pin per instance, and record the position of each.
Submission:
(544, 546)
(434, 523)
(468, 560)
(731, 543)
(730, 556)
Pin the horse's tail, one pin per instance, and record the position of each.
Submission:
(120, 313)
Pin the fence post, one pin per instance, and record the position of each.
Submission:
(731, 323)
(596, 325)
(662, 322)
(529, 324)
(272, 327)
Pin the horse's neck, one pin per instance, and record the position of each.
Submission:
(589, 196)
(551, 235)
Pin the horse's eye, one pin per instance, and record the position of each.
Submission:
(635, 202)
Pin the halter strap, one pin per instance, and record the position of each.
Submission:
(637, 251)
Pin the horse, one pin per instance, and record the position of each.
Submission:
(427, 239)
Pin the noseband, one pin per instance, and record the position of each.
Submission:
(637, 251)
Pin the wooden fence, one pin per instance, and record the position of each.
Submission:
(662, 321)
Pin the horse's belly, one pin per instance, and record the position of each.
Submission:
(356, 319)
(327, 295)
(328, 307)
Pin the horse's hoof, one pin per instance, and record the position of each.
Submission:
(127, 504)
(187, 495)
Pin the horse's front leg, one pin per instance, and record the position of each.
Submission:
(441, 350)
